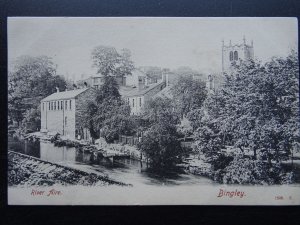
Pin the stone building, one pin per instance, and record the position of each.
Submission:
(138, 97)
(234, 54)
(96, 81)
(62, 111)
(136, 79)
(92, 81)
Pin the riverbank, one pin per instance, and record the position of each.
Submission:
(100, 145)
(24, 170)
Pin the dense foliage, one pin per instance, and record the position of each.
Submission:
(243, 170)
(256, 112)
(189, 94)
(257, 108)
(160, 141)
(30, 80)
(109, 62)
(108, 115)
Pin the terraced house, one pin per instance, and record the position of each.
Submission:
(61, 112)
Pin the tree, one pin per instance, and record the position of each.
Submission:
(107, 113)
(161, 146)
(30, 80)
(256, 108)
(32, 120)
(111, 63)
(189, 94)
(160, 140)
(161, 110)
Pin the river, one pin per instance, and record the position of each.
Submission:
(125, 170)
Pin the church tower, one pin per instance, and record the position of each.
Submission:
(234, 54)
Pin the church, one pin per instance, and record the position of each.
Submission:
(232, 54)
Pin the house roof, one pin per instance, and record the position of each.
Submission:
(137, 73)
(64, 94)
(130, 91)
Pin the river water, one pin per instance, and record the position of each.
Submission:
(124, 170)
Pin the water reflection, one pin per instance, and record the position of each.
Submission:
(125, 170)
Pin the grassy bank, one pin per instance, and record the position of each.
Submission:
(24, 170)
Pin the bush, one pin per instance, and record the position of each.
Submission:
(221, 162)
(245, 171)
(287, 178)
(248, 171)
(161, 146)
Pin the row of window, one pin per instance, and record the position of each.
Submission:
(133, 102)
(233, 55)
(57, 105)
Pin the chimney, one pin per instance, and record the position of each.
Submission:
(165, 76)
(57, 89)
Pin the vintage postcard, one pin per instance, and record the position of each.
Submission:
(153, 111)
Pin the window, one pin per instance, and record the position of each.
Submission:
(58, 107)
(140, 102)
(61, 105)
(54, 105)
(211, 84)
(70, 104)
(49, 105)
(236, 56)
(231, 56)
(43, 106)
(66, 105)
(210, 80)
(66, 121)
(132, 102)
(248, 54)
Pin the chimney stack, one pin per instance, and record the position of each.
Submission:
(165, 76)
(57, 89)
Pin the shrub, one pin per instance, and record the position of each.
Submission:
(221, 162)
(248, 171)
(245, 171)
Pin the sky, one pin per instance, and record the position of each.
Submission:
(164, 42)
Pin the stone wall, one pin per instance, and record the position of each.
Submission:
(138, 106)
(81, 101)
(61, 120)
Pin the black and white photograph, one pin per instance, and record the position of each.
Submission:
(153, 111)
